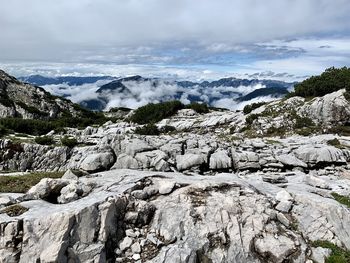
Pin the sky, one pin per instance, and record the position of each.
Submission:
(189, 39)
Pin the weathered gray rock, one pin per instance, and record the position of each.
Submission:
(223, 217)
(187, 161)
(165, 187)
(274, 178)
(320, 154)
(319, 254)
(98, 162)
(245, 160)
(290, 160)
(220, 160)
(277, 248)
(70, 175)
(316, 182)
(125, 161)
(332, 108)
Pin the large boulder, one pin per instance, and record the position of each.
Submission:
(187, 161)
(98, 162)
(320, 154)
(332, 108)
(125, 161)
(220, 160)
(290, 160)
(244, 160)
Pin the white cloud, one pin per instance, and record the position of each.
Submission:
(136, 31)
(234, 105)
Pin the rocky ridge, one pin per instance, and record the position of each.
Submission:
(25, 101)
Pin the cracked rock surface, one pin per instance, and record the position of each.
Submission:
(142, 216)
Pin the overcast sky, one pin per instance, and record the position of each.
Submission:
(183, 38)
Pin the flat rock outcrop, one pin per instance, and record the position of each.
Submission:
(128, 215)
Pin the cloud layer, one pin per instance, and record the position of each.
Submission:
(138, 93)
(249, 36)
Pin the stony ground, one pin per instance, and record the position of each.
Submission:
(205, 193)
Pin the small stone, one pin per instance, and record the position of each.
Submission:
(136, 248)
(166, 187)
(274, 178)
(320, 254)
(142, 242)
(125, 244)
(283, 195)
(283, 219)
(130, 233)
(284, 206)
(118, 251)
(70, 175)
(136, 257)
(131, 217)
(152, 239)
(140, 194)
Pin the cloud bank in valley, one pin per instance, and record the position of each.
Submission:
(137, 94)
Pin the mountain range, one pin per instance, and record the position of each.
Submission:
(104, 92)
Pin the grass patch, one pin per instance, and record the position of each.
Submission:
(14, 210)
(345, 200)
(338, 254)
(22, 183)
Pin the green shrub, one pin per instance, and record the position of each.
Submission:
(41, 127)
(3, 131)
(152, 113)
(333, 79)
(116, 109)
(31, 109)
(33, 127)
(341, 130)
(6, 101)
(301, 122)
(249, 108)
(274, 131)
(198, 107)
(335, 142)
(251, 118)
(69, 142)
(44, 140)
(149, 129)
(306, 131)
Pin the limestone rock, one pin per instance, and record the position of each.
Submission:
(220, 160)
(276, 248)
(98, 162)
(274, 178)
(187, 161)
(290, 160)
(317, 154)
